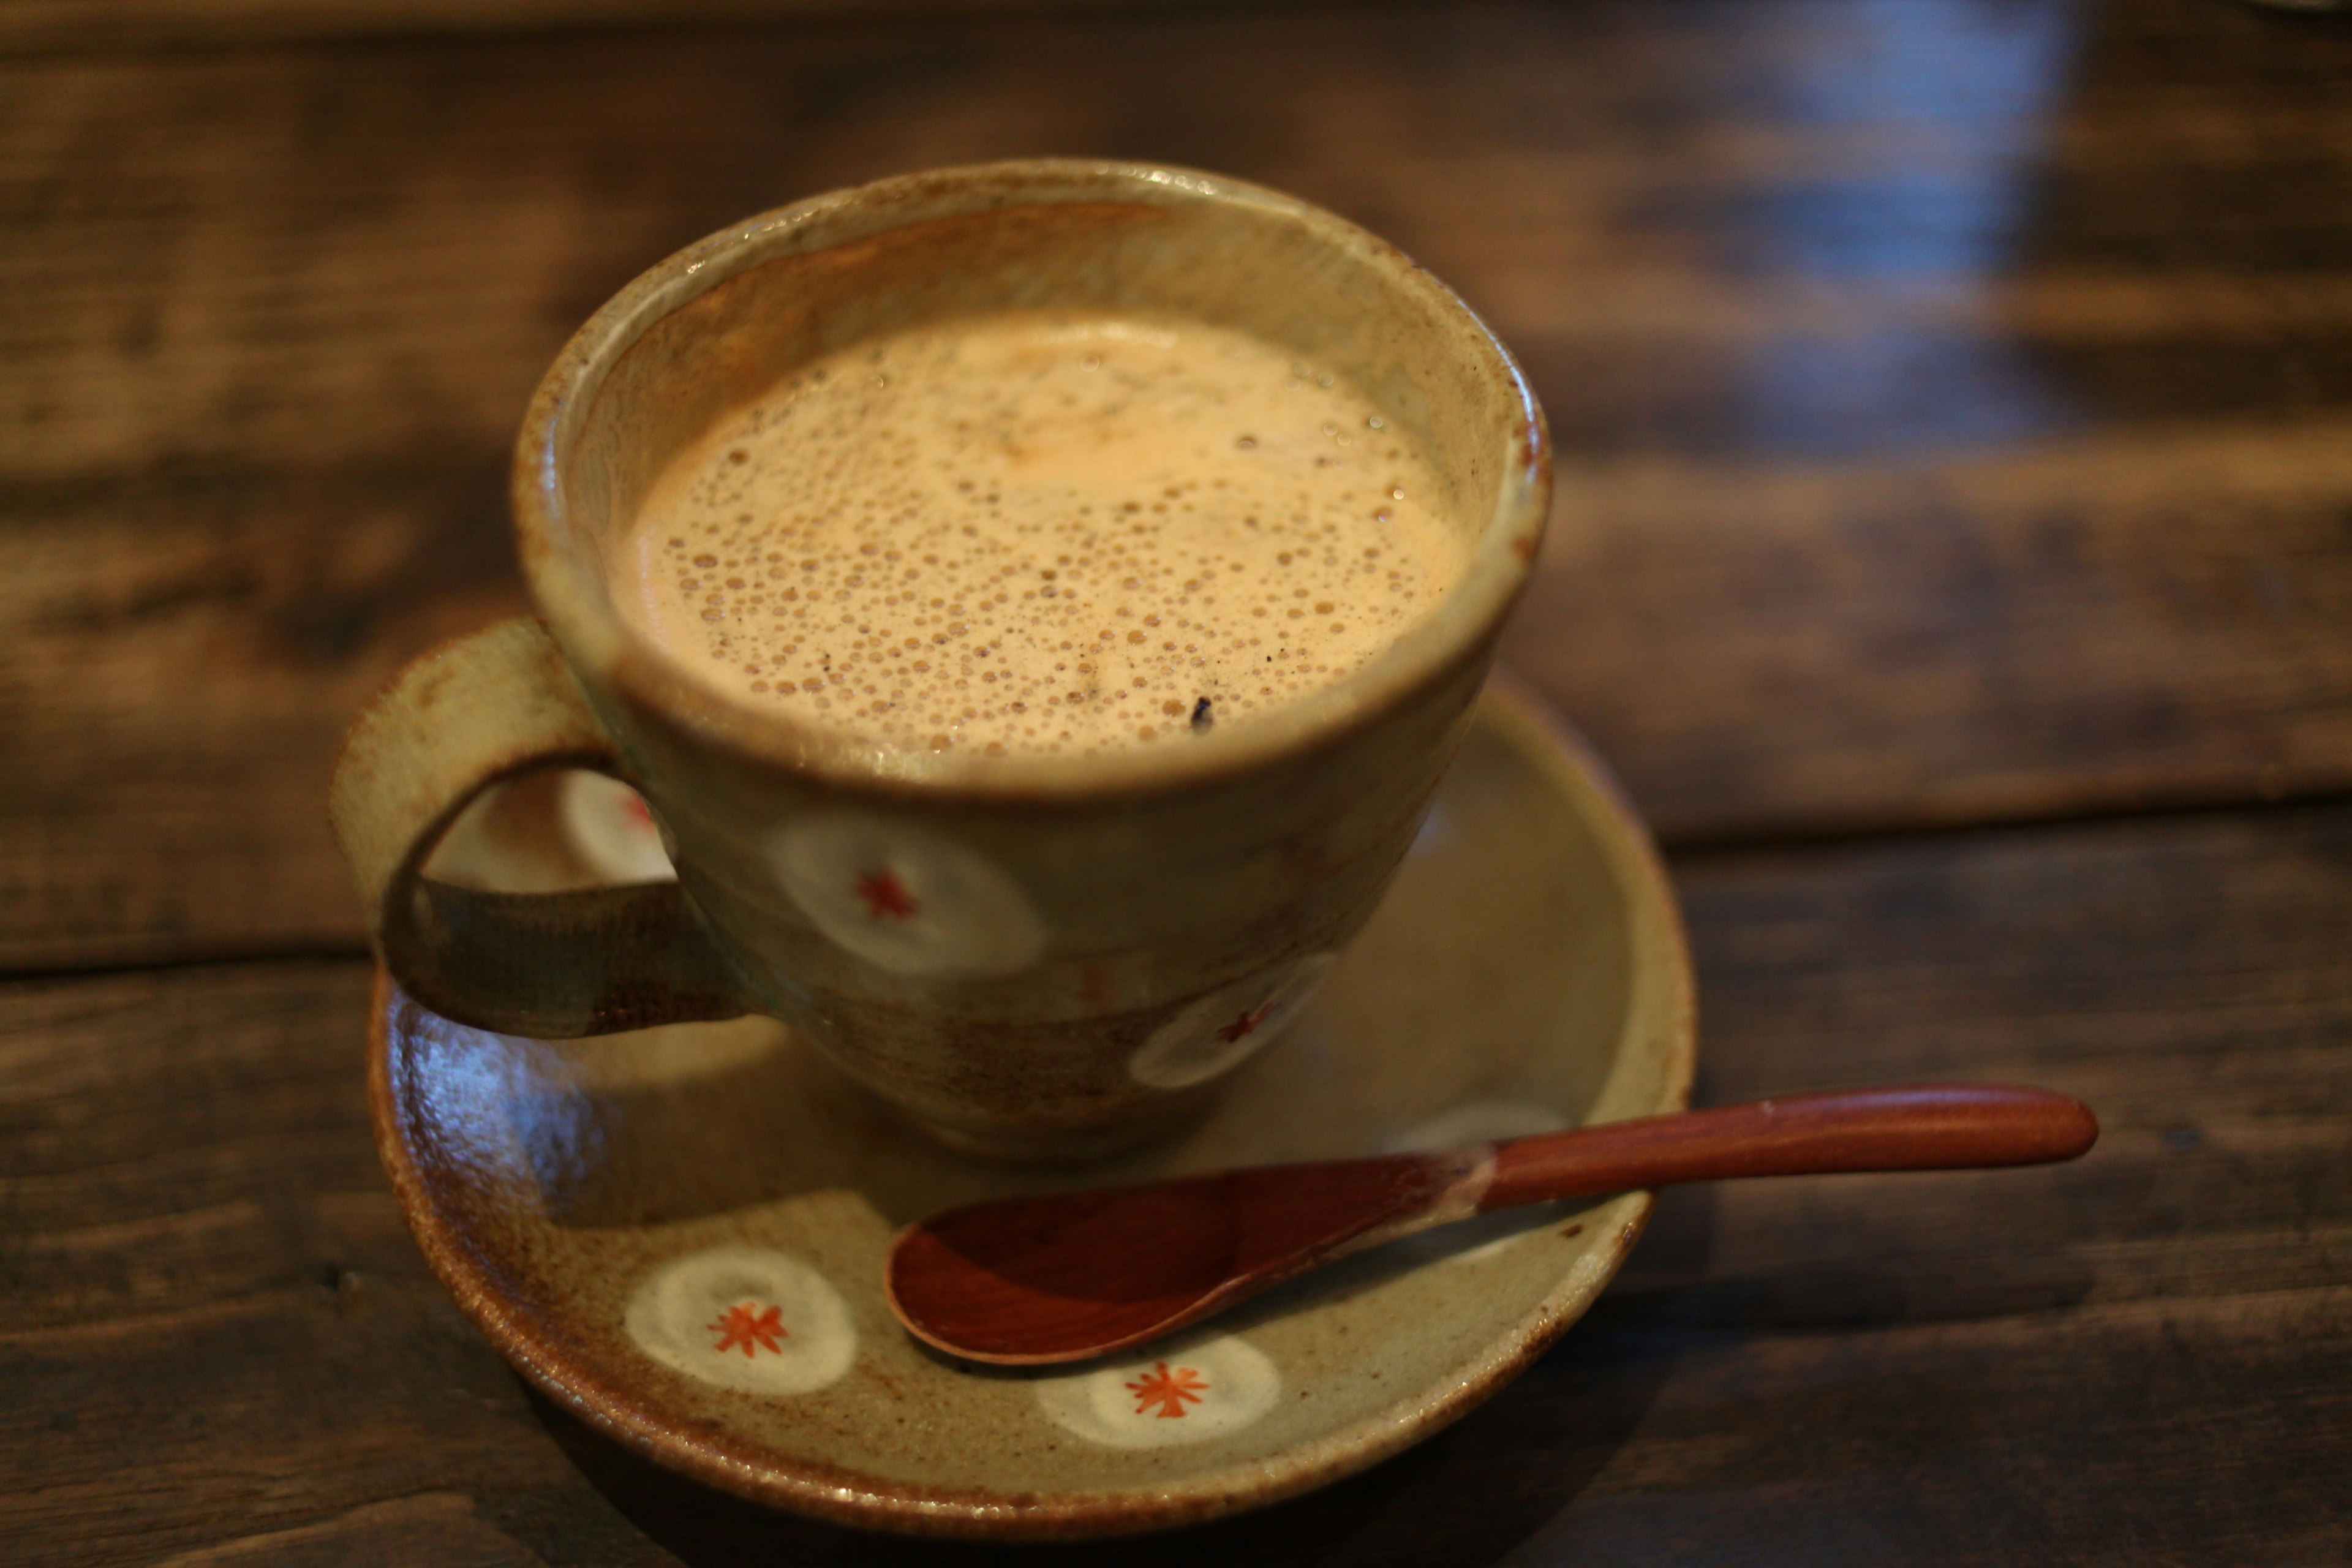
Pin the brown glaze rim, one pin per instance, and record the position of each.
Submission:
(845, 1497)
(660, 692)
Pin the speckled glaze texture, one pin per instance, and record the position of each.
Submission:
(1006, 947)
(680, 1233)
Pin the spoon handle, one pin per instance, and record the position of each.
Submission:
(1920, 1127)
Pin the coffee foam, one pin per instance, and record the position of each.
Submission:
(1039, 532)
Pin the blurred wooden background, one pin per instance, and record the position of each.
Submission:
(1954, 556)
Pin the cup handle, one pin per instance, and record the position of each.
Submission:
(470, 714)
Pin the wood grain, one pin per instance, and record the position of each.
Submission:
(215, 1339)
(213, 1329)
(1953, 398)
(2109, 622)
(181, 658)
(2109, 1437)
(58, 26)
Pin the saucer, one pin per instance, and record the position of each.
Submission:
(680, 1233)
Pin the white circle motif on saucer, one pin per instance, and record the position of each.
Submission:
(609, 825)
(1183, 1392)
(1225, 1027)
(909, 900)
(744, 1318)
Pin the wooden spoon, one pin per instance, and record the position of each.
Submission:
(1027, 1281)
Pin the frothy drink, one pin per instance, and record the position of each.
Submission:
(1040, 532)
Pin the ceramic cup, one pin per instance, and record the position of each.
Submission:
(1034, 956)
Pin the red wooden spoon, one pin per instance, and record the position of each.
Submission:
(1026, 1281)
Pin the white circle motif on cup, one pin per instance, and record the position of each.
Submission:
(609, 824)
(1218, 1032)
(908, 899)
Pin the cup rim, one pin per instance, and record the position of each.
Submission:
(598, 642)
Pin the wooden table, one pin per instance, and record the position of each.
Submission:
(1954, 556)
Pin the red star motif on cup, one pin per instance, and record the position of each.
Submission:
(905, 897)
(1168, 1390)
(1243, 1027)
(884, 893)
(743, 1327)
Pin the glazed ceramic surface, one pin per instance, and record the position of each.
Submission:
(1037, 955)
(681, 1232)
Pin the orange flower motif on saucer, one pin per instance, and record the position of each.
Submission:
(720, 1316)
(1201, 1387)
(745, 1325)
(1168, 1390)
